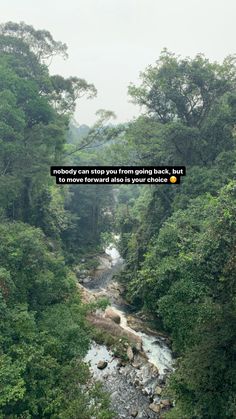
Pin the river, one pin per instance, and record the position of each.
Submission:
(137, 387)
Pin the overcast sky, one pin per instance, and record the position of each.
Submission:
(111, 41)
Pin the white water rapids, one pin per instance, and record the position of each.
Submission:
(155, 347)
(132, 386)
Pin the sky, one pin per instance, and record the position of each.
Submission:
(111, 41)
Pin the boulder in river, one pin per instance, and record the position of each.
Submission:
(130, 353)
(102, 364)
(154, 371)
(136, 365)
(86, 280)
(155, 407)
(134, 413)
(158, 390)
(111, 314)
(165, 403)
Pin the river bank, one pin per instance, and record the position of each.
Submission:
(136, 384)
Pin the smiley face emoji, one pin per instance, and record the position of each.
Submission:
(173, 179)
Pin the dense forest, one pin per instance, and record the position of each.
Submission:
(178, 241)
(44, 335)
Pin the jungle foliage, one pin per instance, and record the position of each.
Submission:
(179, 240)
(43, 330)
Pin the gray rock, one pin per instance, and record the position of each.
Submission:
(130, 353)
(136, 365)
(102, 364)
(114, 395)
(166, 402)
(158, 390)
(134, 413)
(155, 407)
(86, 280)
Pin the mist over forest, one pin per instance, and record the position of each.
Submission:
(171, 285)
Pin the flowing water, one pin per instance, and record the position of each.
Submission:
(132, 386)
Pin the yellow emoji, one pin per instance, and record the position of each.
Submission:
(173, 179)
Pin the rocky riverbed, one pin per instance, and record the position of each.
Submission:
(137, 386)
